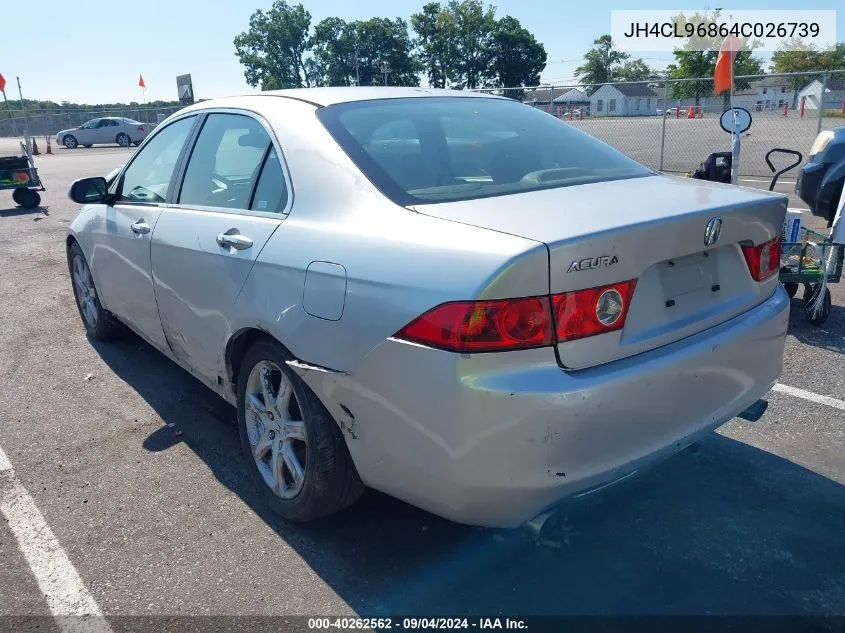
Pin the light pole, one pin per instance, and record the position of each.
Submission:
(385, 68)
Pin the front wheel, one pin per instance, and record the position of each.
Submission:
(99, 324)
(69, 141)
(295, 451)
(123, 140)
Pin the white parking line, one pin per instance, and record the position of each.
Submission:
(809, 395)
(780, 181)
(70, 603)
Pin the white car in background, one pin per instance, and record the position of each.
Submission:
(105, 131)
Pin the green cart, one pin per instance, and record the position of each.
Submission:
(815, 262)
(19, 174)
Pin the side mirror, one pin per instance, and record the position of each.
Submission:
(89, 191)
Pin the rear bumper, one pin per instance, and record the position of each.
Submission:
(495, 439)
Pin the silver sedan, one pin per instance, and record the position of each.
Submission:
(453, 298)
(105, 131)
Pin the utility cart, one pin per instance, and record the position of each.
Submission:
(808, 257)
(19, 173)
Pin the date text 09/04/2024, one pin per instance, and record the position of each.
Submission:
(416, 624)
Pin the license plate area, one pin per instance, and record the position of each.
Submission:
(684, 277)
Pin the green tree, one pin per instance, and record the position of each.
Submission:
(345, 51)
(600, 63)
(796, 57)
(273, 49)
(518, 58)
(474, 28)
(634, 70)
(436, 43)
(696, 59)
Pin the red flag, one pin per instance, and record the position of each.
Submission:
(723, 74)
(141, 81)
(2, 83)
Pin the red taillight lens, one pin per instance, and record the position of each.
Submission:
(140, 128)
(593, 311)
(484, 326)
(763, 260)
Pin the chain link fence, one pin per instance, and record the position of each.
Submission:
(673, 125)
(49, 122)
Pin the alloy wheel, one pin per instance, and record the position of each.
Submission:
(275, 429)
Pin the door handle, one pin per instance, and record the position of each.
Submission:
(233, 239)
(140, 227)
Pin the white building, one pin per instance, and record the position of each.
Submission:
(834, 94)
(623, 100)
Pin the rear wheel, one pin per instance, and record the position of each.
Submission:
(17, 196)
(28, 198)
(123, 140)
(295, 451)
(69, 141)
(819, 315)
(99, 324)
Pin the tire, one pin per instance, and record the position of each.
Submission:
(17, 196)
(791, 289)
(70, 141)
(328, 481)
(123, 140)
(809, 295)
(103, 325)
(29, 198)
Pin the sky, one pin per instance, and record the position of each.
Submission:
(93, 51)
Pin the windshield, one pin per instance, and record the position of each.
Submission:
(426, 150)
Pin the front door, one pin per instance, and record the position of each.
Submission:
(121, 250)
(232, 199)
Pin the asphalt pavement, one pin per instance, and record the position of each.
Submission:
(135, 469)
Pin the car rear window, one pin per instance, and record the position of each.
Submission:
(432, 149)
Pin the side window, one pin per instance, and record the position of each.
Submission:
(111, 123)
(90, 125)
(225, 162)
(148, 175)
(271, 193)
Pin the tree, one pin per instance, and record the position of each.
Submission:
(473, 33)
(634, 70)
(273, 49)
(796, 57)
(436, 43)
(347, 51)
(600, 63)
(696, 59)
(518, 58)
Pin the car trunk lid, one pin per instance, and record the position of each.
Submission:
(651, 229)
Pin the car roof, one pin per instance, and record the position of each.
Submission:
(326, 96)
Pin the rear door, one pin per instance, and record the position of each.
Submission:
(233, 196)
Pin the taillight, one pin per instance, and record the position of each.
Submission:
(484, 326)
(140, 128)
(593, 311)
(763, 260)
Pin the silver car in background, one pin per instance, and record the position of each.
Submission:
(108, 130)
(453, 298)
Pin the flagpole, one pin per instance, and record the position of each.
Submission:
(735, 135)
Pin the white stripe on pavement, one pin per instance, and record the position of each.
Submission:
(70, 603)
(809, 395)
(783, 181)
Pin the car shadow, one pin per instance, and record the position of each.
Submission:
(733, 530)
(16, 211)
(830, 335)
